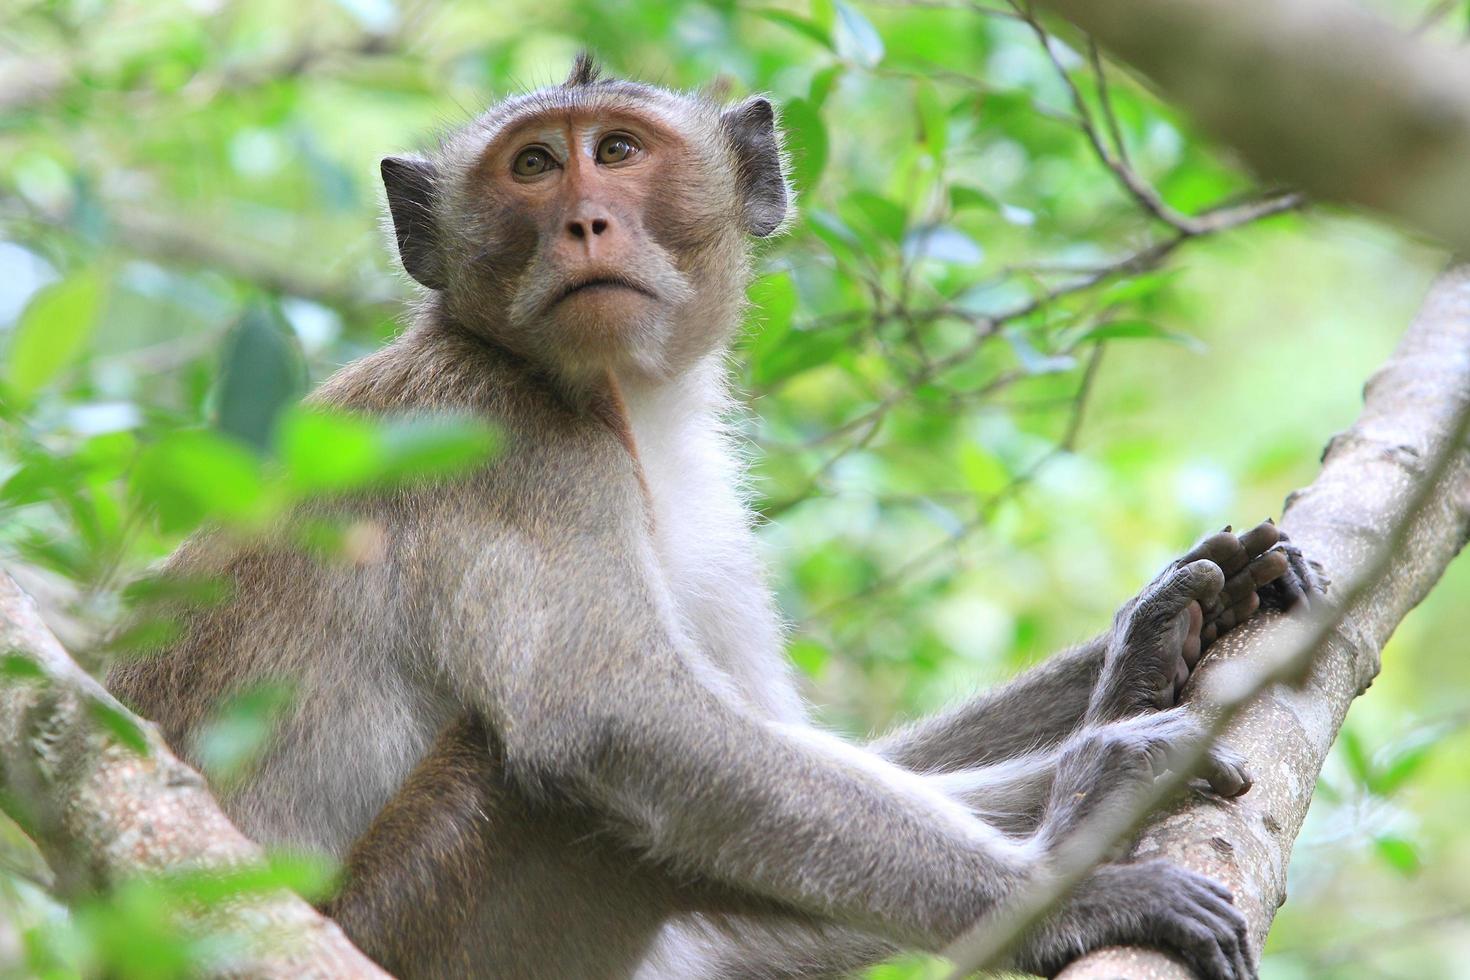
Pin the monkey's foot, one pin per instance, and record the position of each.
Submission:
(1263, 569)
(1157, 639)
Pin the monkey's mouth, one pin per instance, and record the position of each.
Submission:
(605, 282)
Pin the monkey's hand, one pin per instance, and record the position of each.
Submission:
(1158, 638)
(1114, 766)
(1150, 903)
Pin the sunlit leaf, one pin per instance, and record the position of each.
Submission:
(806, 142)
(193, 475)
(51, 333)
(856, 38)
(804, 26)
(328, 451)
(1398, 853)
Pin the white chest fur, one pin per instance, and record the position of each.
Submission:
(703, 536)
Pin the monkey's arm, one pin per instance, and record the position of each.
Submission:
(595, 699)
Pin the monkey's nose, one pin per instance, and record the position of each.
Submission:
(583, 228)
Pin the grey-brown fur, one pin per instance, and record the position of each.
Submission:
(565, 704)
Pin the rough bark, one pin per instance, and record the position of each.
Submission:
(1321, 93)
(102, 812)
(1368, 476)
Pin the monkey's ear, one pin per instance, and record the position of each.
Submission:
(411, 191)
(751, 128)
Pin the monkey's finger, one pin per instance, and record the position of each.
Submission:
(1208, 634)
(1267, 568)
(1238, 613)
(1258, 539)
(1226, 772)
(1193, 646)
(1223, 548)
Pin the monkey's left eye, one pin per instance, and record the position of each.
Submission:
(532, 161)
(616, 148)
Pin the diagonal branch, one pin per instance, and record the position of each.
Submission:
(1402, 466)
(102, 812)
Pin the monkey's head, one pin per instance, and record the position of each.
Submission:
(600, 224)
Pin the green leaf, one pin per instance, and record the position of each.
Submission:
(804, 26)
(263, 373)
(240, 730)
(822, 85)
(885, 218)
(430, 448)
(325, 451)
(51, 333)
(1400, 854)
(193, 475)
(933, 119)
(1355, 757)
(120, 725)
(809, 656)
(962, 197)
(19, 667)
(1135, 330)
(1407, 758)
(772, 304)
(856, 38)
(806, 141)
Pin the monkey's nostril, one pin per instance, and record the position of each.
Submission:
(599, 225)
(577, 229)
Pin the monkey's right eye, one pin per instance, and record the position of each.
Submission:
(532, 162)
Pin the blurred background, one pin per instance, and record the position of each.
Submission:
(993, 384)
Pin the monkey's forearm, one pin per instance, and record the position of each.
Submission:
(1035, 711)
(784, 813)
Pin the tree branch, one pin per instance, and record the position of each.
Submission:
(102, 812)
(1372, 478)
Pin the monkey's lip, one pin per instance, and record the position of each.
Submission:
(605, 282)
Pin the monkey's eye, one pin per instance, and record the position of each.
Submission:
(532, 162)
(615, 148)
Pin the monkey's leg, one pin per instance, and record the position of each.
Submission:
(414, 880)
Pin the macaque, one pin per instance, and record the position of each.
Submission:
(551, 727)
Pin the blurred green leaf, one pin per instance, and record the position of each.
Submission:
(1400, 854)
(855, 37)
(239, 732)
(20, 667)
(262, 374)
(120, 725)
(1134, 330)
(192, 475)
(806, 142)
(804, 26)
(51, 333)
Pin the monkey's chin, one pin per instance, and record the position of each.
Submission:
(613, 328)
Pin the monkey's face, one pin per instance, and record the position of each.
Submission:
(596, 226)
(593, 251)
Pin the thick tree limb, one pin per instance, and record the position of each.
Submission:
(102, 812)
(1321, 93)
(1369, 476)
